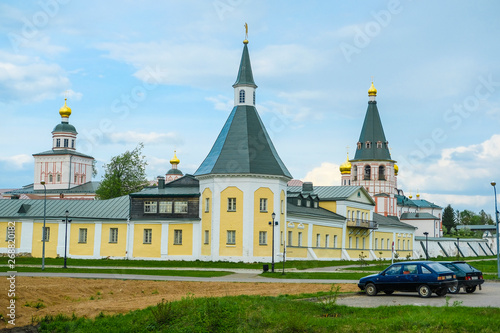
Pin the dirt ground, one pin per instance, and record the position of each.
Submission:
(89, 297)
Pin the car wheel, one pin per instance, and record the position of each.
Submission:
(424, 291)
(453, 290)
(441, 292)
(371, 290)
(388, 292)
(470, 290)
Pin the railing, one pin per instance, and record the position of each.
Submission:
(362, 224)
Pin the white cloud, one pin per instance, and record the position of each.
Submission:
(17, 161)
(327, 174)
(471, 202)
(29, 79)
(221, 102)
(136, 137)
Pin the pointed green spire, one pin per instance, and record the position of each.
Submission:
(245, 76)
(372, 144)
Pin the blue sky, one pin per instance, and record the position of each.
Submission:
(161, 72)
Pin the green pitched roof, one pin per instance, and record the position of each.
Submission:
(372, 132)
(390, 221)
(332, 192)
(243, 146)
(245, 76)
(62, 152)
(293, 209)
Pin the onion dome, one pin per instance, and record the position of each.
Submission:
(65, 111)
(175, 160)
(396, 169)
(372, 91)
(345, 168)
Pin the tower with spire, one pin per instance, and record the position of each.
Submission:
(243, 182)
(62, 167)
(372, 166)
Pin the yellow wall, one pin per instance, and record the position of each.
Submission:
(186, 248)
(281, 227)
(360, 239)
(294, 250)
(118, 249)
(328, 253)
(76, 248)
(3, 234)
(366, 211)
(323, 231)
(206, 222)
(231, 221)
(50, 245)
(152, 250)
(354, 254)
(385, 236)
(261, 222)
(329, 205)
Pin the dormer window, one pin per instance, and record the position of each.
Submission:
(387, 144)
(254, 98)
(368, 144)
(379, 144)
(308, 203)
(299, 202)
(315, 204)
(242, 96)
(359, 145)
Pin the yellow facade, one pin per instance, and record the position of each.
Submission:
(323, 231)
(358, 213)
(329, 205)
(206, 222)
(261, 222)
(147, 250)
(298, 247)
(231, 221)
(76, 247)
(50, 244)
(114, 249)
(380, 240)
(186, 246)
(282, 219)
(17, 227)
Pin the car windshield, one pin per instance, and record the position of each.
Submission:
(438, 268)
(465, 267)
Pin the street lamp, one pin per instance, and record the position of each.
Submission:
(426, 246)
(44, 218)
(496, 215)
(66, 236)
(273, 223)
(458, 247)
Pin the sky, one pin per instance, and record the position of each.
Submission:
(161, 73)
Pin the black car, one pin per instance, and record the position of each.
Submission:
(468, 277)
(424, 277)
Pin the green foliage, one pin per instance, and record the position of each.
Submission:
(280, 314)
(330, 301)
(125, 174)
(35, 304)
(448, 218)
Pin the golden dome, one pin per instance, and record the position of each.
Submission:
(372, 91)
(396, 169)
(65, 111)
(245, 41)
(175, 160)
(345, 168)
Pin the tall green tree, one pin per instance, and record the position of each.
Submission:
(449, 218)
(126, 173)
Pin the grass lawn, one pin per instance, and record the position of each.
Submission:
(314, 275)
(280, 314)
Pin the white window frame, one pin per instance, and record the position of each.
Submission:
(262, 237)
(335, 241)
(150, 207)
(82, 235)
(46, 234)
(231, 204)
(299, 238)
(290, 238)
(231, 237)
(147, 237)
(113, 235)
(180, 207)
(177, 236)
(165, 207)
(207, 205)
(263, 205)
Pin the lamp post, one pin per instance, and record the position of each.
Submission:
(496, 216)
(273, 223)
(66, 236)
(426, 246)
(458, 247)
(44, 218)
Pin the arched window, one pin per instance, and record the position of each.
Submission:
(254, 98)
(379, 144)
(242, 96)
(368, 144)
(381, 172)
(355, 172)
(359, 145)
(50, 178)
(367, 172)
(58, 177)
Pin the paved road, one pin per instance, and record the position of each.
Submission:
(489, 296)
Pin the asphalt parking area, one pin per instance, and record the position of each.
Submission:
(488, 296)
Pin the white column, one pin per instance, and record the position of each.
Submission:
(164, 240)
(97, 239)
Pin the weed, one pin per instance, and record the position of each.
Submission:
(98, 293)
(362, 259)
(330, 300)
(37, 305)
(111, 292)
(155, 292)
(92, 298)
(163, 313)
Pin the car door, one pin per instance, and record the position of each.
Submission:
(390, 279)
(410, 278)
